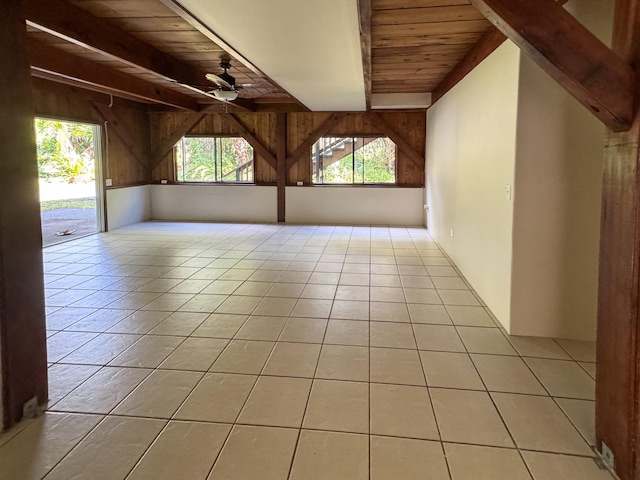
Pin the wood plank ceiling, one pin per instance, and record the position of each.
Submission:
(414, 44)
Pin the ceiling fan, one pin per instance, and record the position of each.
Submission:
(227, 89)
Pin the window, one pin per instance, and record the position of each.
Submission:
(353, 160)
(214, 159)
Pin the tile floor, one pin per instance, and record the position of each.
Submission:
(229, 351)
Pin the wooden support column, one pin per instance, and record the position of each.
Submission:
(22, 314)
(281, 162)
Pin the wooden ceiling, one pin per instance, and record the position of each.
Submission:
(139, 48)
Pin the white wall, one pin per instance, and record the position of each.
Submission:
(128, 205)
(557, 204)
(470, 159)
(355, 205)
(214, 203)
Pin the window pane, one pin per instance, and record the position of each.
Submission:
(379, 156)
(214, 159)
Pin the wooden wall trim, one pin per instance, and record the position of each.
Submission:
(313, 137)
(281, 171)
(389, 131)
(571, 54)
(167, 144)
(257, 145)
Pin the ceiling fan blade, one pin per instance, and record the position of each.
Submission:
(218, 81)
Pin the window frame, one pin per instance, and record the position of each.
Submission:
(180, 145)
(352, 183)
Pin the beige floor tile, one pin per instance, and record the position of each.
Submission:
(183, 450)
(538, 347)
(427, 296)
(100, 320)
(322, 292)
(274, 306)
(293, 360)
(147, 352)
(254, 289)
(470, 462)
(485, 340)
(64, 378)
(63, 343)
(580, 351)
(450, 370)
(326, 278)
(582, 414)
(256, 453)
(438, 337)
(563, 378)
(352, 292)
(159, 395)
(169, 302)
(179, 323)
(450, 283)
(203, 303)
(103, 391)
(386, 294)
(434, 314)
(286, 290)
(134, 301)
(413, 281)
(407, 459)
(306, 330)
(347, 332)
(195, 354)
(458, 297)
(401, 367)
(311, 307)
(402, 411)
(243, 356)
(507, 374)
(350, 310)
(362, 267)
(437, 271)
(338, 406)
(239, 304)
(341, 362)
(32, 453)
(331, 455)
(222, 287)
(537, 423)
(390, 279)
(354, 279)
(332, 265)
(392, 335)
(220, 325)
(466, 416)
(219, 397)
(292, 276)
(140, 322)
(191, 286)
(469, 315)
(261, 328)
(277, 402)
(545, 466)
(388, 312)
(110, 451)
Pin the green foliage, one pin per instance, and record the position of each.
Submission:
(373, 161)
(65, 150)
(214, 159)
(89, 203)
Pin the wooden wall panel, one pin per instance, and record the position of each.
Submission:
(412, 125)
(62, 102)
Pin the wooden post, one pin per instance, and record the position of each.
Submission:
(281, 160)
(618, 362)
(22, 317)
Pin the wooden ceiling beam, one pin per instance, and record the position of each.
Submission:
(47, 61)
(76, 25)
(365, 12)
(590, 71)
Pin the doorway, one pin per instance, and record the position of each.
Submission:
(69, 167)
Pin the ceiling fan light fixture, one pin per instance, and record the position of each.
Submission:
(226, 95)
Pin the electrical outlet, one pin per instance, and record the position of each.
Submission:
(452, 233)
(608, 457)
(163, 182)
(299, 184)
(108, 182)
(507, 192)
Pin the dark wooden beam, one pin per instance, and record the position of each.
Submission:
(618, 339)
(364, 10)
(307, 143)
(166, 145)
(573, 56)
(116, 127)
(215, 38)
(22, 311)
(74, 24)
(257, 145)
(52, 61)
(385, 129)
(489, 42)
(281, 171)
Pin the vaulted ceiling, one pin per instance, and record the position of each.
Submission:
(158, 51)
